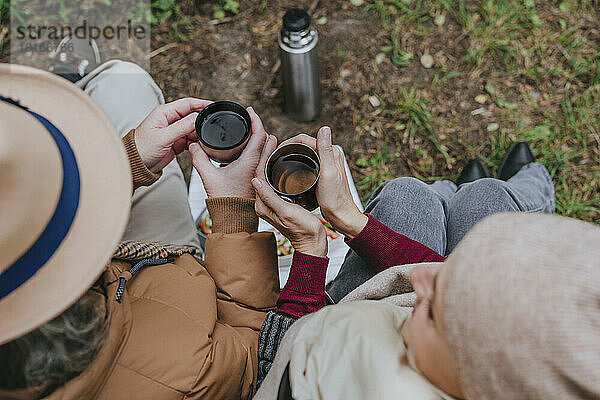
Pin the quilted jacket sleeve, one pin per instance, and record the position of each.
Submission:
(242, 262)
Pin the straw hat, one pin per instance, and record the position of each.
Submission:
(65, 188)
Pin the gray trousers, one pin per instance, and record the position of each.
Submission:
(159, 213)
(439, 215)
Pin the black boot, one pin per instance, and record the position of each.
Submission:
(516, 157)
(474, 170)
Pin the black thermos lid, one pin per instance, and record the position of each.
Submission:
(296, 20)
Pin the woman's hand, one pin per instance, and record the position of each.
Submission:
(303, 229)
(166, 132)
(234, 179)
(333, 193)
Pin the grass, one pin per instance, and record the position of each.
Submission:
(532, 65)
(538, 63)
(414, 112)
(378, 169)
(4, 22)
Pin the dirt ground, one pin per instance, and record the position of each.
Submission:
(503, 71)
(238, 60)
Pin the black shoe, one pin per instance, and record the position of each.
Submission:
(516, 157)
(474, 170)
(75, 58)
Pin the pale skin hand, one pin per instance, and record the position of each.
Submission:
(333, 193)
(303, 229)
(234, 179)
(166, 132)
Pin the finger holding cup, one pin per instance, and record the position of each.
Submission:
(304, 230)
(332, 191)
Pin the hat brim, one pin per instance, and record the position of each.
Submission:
(104, 203)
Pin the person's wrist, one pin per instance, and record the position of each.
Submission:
(228, 190)
(350, 222)
(141, 151)
(314, 244)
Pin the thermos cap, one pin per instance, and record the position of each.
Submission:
(296, 20)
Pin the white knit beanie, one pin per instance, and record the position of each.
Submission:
(521, 308)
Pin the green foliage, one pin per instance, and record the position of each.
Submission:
(4, 21)
(161, 12)
(400, 58)
(223, 7)
(406, 11)
(545, 50)
(502, 23)
(379, 169)
(560, 143)
(413, 111)
(342, 54)
(4, 11)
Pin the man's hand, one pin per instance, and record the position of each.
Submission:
(303, 229)
(234, 179)
(166, 132)
(333, 193)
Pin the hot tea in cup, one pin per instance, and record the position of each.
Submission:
(293, 171)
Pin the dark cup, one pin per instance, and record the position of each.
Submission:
(293, 171)
(223, 129)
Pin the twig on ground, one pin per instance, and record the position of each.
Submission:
(597, 139)
(270, 78)
(564, 51)
(220, 21)
(3, 33)
(462, 36)
(312, 7)
(160, 50)
(414, 172)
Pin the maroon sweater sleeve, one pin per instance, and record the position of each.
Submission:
(381, 248)
(304, 291)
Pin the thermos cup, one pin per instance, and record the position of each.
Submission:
(299, 66)
(223, 129)
(293, 172)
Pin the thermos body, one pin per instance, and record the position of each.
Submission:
(300, 70)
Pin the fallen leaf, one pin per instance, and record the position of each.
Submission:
(481, 98)
(439, 19)
(427, 60)
(374, 101)
(493, 127)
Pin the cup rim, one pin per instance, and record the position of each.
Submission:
(281, 194)
(223, 105)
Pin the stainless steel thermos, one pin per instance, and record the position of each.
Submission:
(300, 66)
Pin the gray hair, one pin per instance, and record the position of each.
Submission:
(59, 350)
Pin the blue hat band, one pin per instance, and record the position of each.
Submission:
(62, 219)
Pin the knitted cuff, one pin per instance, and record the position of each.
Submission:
(307, 274)
(271, 333)
(232, 214)
(142, 176)
(374, 243)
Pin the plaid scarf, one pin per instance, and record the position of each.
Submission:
(133, 251)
